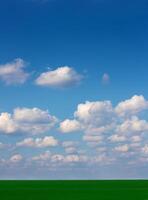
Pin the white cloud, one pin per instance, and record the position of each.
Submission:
(136, 138)
(7, 125)
(70, 146)
(86, 111)
(91, 117)
(100, 117)
(57, 158)
(60, 159)
(47, 141)
(33, 115)
(60, 77)
(72, 158)
(102, 159)
(132, 126)
(107, 135)
(44, 156)
(28, 120)
(135, 144)
(132, 106)
(122, 148)
(145, 149)
(16, 158)
(93, 138)
(94, 113)
(117, 138)
(100, 123)
(70, 150)
(88, 116)
(68, 126)
(13, 72)
(69, 143)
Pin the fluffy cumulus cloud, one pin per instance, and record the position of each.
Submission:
(27, 120)
(131, 106)
(89, 116)
(118, 130)
(101, 134)
(47, 141)
(59, 78)
(14, 72)
(132, 125)
(100, 111)
(7, 124)
(70, 126)
(101, 117)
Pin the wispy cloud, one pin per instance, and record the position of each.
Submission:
(14, 72)
(105, 79)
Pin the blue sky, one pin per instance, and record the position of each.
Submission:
(73, 81)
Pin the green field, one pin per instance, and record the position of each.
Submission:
(74, 190)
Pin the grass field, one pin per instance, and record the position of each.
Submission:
(74, 190)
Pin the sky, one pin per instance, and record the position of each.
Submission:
(73, 82)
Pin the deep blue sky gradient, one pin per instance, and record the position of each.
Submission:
(98, 36)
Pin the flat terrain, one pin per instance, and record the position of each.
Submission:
(74, 190)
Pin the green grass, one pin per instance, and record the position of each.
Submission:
(74, 190)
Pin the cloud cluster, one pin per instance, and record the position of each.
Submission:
(48, 141)
(14, 72)
(90, 116)
(59, 159)
(101, 117)
(26, 120)
(118, 128)
(103, 134)
(131, 106)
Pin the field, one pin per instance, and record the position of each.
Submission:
(74, 190)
